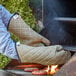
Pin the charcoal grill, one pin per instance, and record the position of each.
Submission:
(17, 73)
(14, 73)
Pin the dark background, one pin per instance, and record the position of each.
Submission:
(59, 32)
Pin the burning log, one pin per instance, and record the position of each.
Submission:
(69, 69)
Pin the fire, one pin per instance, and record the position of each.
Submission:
(48, 69)
(52, 70)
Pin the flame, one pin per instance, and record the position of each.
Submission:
(48, 69)
(54, 69)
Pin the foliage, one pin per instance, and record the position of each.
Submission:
(4, 61)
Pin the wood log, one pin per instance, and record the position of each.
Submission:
(68, 69)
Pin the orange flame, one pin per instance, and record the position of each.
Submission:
(52, 70)
(48, 69)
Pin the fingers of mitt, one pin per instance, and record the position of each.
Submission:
(45, 41)
(58, 50)
(59, 47)
(61, 53)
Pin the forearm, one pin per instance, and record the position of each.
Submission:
(7, 45)
(5, 15)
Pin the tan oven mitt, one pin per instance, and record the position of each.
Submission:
(43, 55)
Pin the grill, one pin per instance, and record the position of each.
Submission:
(14, 73)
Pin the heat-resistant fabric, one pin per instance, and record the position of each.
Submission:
(18, 27)
(43, 55)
